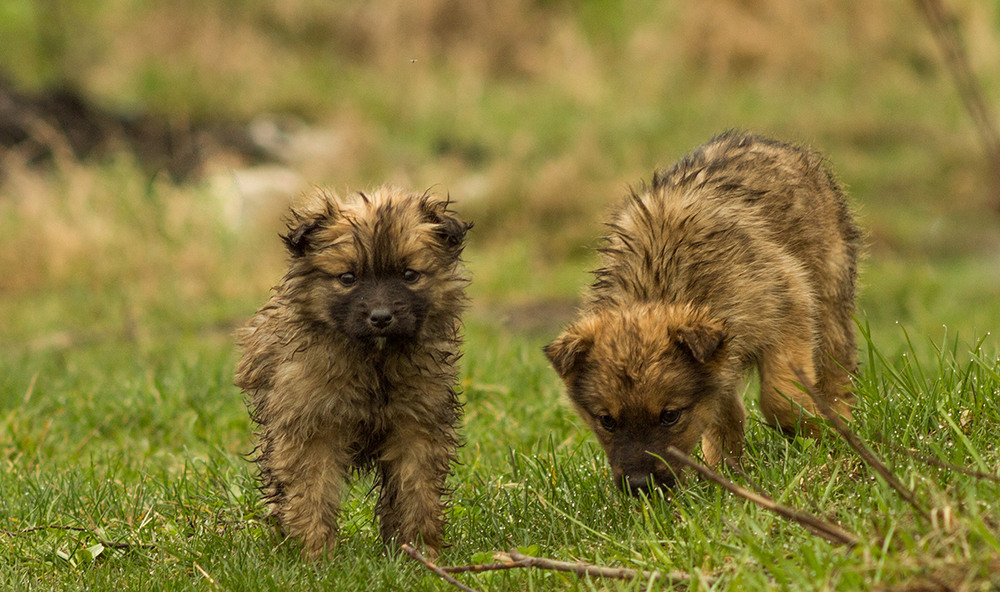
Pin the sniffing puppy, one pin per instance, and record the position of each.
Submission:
(352, 363)
(744, 254)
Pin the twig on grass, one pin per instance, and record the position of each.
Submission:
(514, 559)
(418, 556)
(735, 467)
(941, 23)
(124, 545)
(587, 569)
(866, 454)
(103, 542)
(828, 531)
(42, 527)
(206, 575)
(480, 567)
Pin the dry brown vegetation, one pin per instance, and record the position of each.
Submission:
(535, 116)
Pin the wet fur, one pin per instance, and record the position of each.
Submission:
(344, 376)
(742, 255)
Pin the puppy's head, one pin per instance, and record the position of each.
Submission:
(378, 268)
(643, 377)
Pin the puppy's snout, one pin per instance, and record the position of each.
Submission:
(643, 483)
(636, 483)
(380, 318)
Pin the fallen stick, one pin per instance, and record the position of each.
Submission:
(514, 559)
(104, 542)
(942, 24)
(480, 567)
(43, 527)
(735, 467)
(587, 569)
(866, 454)
(207, 576)
(817, 526)
(418, 556)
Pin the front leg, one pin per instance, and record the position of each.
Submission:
(724, 436)
(782, 402)
(303, 482)
(413, 467)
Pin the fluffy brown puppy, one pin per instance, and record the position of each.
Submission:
(352, 363)
(743, 254)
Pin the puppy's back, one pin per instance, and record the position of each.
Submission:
(741, 225)
(783, 192)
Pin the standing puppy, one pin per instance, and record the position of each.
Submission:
(743, 254)
(352, 362)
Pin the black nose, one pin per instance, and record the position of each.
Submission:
(644, 483)
(380, 318)
(636, 483)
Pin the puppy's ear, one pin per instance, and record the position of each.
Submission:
(568, 352)
(304, 221)
(450, 228)
(705, 340)
(298, 240)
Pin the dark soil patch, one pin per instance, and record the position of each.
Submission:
(42, 127)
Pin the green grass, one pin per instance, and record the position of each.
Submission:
(130, 465)
(123, 441)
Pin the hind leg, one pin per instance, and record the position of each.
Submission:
(836, 360)
(836, 354)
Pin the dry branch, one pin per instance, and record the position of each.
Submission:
(207, 576)
(103, 542)
(514, 559)
(866, 454)
(942, 26)
(828, 531)
(418, 556)
(42, 527)
(587, 569)
(735, 467)
(480, 567)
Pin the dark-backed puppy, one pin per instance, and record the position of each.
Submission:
(352, 364)
(743, 254)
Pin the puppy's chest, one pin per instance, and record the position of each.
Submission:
(380, 395)
(380, 389)
(379, 392)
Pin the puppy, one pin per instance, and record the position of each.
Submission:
(351, 365)
(744, 254)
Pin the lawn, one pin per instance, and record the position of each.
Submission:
(123, 442)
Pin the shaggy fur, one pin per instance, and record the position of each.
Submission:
(743, 254)
(352, 362)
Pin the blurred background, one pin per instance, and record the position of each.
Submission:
(148, 150)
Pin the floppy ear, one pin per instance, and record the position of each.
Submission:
(703, 339)
(298, 239)
(304, 222)
(450, 229)
(568, 352)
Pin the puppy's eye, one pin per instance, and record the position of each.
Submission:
(608, 422)
(410, 276)
(347, 279)
(670, 416)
